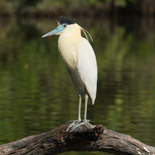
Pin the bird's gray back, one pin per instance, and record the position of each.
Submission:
(77, 81)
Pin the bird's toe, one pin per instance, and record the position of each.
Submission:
(76, 124)
(71, 126)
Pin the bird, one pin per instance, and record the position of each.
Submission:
(80, 61)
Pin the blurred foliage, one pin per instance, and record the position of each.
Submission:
(52, 7)
(37, 94)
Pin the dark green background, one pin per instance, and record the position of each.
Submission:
(37, 94)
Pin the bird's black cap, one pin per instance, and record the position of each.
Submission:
(65, 20)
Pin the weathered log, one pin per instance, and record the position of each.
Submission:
(84, 138)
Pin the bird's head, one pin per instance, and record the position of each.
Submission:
(66, 25)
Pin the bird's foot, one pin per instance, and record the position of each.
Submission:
(75, 124)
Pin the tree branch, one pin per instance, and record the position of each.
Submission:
(84, 138)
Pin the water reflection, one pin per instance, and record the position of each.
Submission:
(36, 92)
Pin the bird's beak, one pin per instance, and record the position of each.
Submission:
(56, 31)
(53, 32)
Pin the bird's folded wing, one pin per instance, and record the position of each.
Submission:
(87, 67)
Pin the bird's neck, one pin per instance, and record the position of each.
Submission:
(68, 46)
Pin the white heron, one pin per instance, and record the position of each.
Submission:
(80, 61)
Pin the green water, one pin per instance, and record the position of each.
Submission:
(37, 94)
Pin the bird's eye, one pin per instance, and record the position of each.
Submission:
(64, 25)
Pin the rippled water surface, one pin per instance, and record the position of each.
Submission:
(37, 94)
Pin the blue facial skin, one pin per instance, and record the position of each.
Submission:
(56, 30)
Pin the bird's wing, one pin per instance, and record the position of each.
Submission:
(87, 67)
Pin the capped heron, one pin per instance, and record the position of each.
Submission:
(80, 60)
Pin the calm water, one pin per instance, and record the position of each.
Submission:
(37, 94)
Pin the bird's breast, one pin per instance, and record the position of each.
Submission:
(68, 47)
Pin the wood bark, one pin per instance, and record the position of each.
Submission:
(84, 138)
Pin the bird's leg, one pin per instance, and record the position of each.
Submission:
(74, 123)
(79, 110)
(85, 111)
(78, 123)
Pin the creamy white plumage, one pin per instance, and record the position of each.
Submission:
(87, 68)
(68, 44)
(80, 60)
